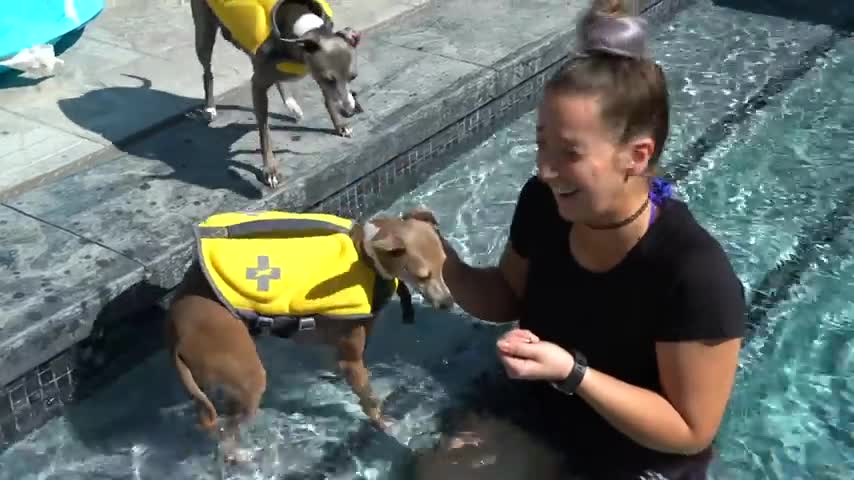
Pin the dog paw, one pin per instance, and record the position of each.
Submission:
(382, 423)
(209, 114)
(294, 108)
(271, 177)
(238, 456)
(346, 132)
(463, 439)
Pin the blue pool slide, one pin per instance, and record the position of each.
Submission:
(26, 23)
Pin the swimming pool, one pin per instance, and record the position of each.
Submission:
(774, 190)
(779, 195)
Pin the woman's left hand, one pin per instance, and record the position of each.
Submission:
(526, 357)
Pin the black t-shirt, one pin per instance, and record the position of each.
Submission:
(676, 284)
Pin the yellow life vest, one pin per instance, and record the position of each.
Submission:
(276, 264)
(250, 23)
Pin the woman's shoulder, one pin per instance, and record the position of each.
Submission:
(681, 235)
(535, 190)
(536, 203)
(705, 292)
(688, 251)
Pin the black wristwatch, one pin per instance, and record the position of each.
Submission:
(569, 384)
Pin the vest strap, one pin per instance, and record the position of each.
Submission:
(406, 308)
(285, 326)
(282, 327)
(294, 68)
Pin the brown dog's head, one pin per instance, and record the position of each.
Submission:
(408, 248)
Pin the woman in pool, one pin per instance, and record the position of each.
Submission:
(631, 316)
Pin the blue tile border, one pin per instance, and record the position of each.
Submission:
(41, 394)
(405, 171)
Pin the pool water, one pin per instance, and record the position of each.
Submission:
(774, 192)
(780, 196)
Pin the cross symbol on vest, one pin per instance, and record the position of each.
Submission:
(263, 273)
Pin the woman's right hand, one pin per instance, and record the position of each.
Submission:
(520, 335)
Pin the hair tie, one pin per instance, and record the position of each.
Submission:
(660, 190)
(620, 36)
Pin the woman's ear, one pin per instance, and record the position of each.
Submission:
(638, 154)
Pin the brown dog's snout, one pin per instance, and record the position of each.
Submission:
(441, 300)
(444, 304)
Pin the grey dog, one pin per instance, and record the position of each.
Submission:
(286, 41)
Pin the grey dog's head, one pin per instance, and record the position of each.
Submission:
(331, 58)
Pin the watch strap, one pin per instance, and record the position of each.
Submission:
(570, 384)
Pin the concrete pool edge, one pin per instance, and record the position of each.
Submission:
(39, 394)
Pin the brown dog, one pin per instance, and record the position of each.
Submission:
(213, 350)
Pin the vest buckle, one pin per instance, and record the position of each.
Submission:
(264, 325)
(306, 323)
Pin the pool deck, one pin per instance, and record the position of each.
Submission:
(103, 230)
(64, 123)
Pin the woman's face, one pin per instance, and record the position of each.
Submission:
(579, 158)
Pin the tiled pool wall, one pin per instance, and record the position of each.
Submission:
(41, 394)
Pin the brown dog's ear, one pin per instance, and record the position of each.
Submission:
(390, 244)
(352, 36)
(421, 214)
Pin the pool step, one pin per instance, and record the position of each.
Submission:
(724, 51)
(776, 286)
(798, 57)
(832, 113)
(719, 130)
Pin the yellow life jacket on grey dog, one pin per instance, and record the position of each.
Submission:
(281, 270)
(250, 23)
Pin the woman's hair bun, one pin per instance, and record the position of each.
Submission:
(608, 28)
